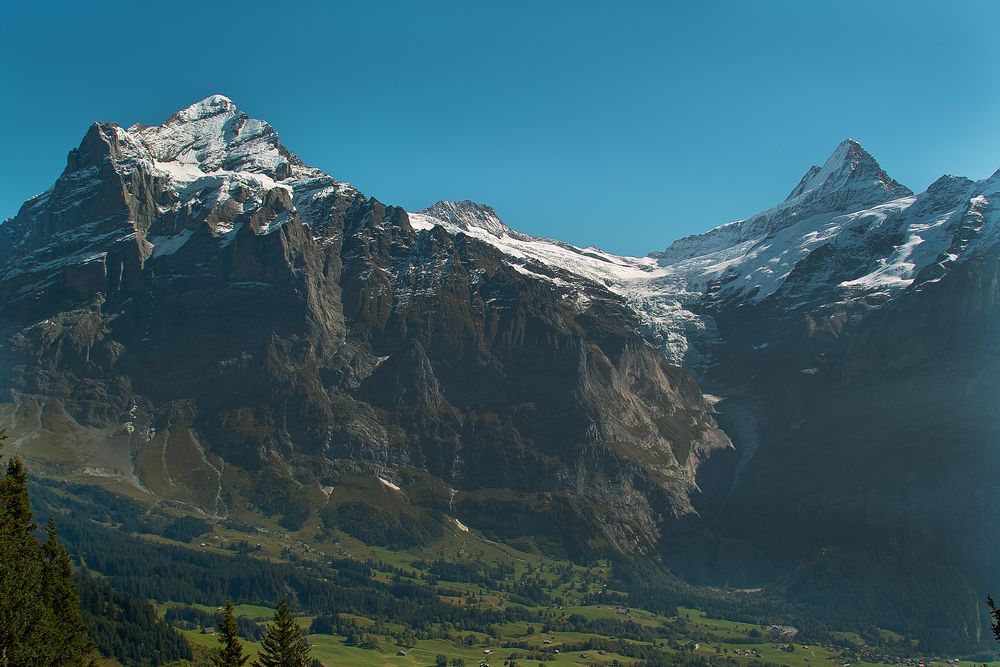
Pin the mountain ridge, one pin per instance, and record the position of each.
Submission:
(208, 320)
(228, 306)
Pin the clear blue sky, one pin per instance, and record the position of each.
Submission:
(623, 125)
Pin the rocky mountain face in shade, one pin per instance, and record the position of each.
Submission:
(853, 346)
(192, 311)
(849, 336)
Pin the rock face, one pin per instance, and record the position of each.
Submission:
(867, 374)
(198, 312)
(193, 311)
(850, 334)
(853, 338)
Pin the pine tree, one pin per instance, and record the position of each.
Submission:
(231, 652)
(69, 635)
(21, 603)
(39, 606)
(995, 616)
(284, 644)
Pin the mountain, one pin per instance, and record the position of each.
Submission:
(796, 400)
(848, 337)
(193, 314)
(854, 352)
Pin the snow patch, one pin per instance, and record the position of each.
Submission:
(168, 245)
(390, 485)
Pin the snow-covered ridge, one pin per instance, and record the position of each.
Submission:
(211, 150)
(849, 166)
(850, 180)
(207, 165)
(849, 205)
(211, 156)
(211, 153)
(470, 215)
(657, 294)
(214, 135)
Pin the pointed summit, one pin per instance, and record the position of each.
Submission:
(212, 105)
(212, 135)
(467, 214)
(850, 166)
(849, 180)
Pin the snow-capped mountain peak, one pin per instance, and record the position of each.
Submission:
(849, 180)
(213, 135)
(210, 106)
(212, 152)
(468, 214)
(849, 166)
(213, 166)
(209, 165)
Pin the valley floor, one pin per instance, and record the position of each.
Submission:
(555, 649)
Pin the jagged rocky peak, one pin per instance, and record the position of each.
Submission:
(850, 180)
(150, 187)
(212, 105)
(763, 249)
(214, 135)
(849, 166)
(468, 214)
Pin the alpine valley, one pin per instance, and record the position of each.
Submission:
(788, 420)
